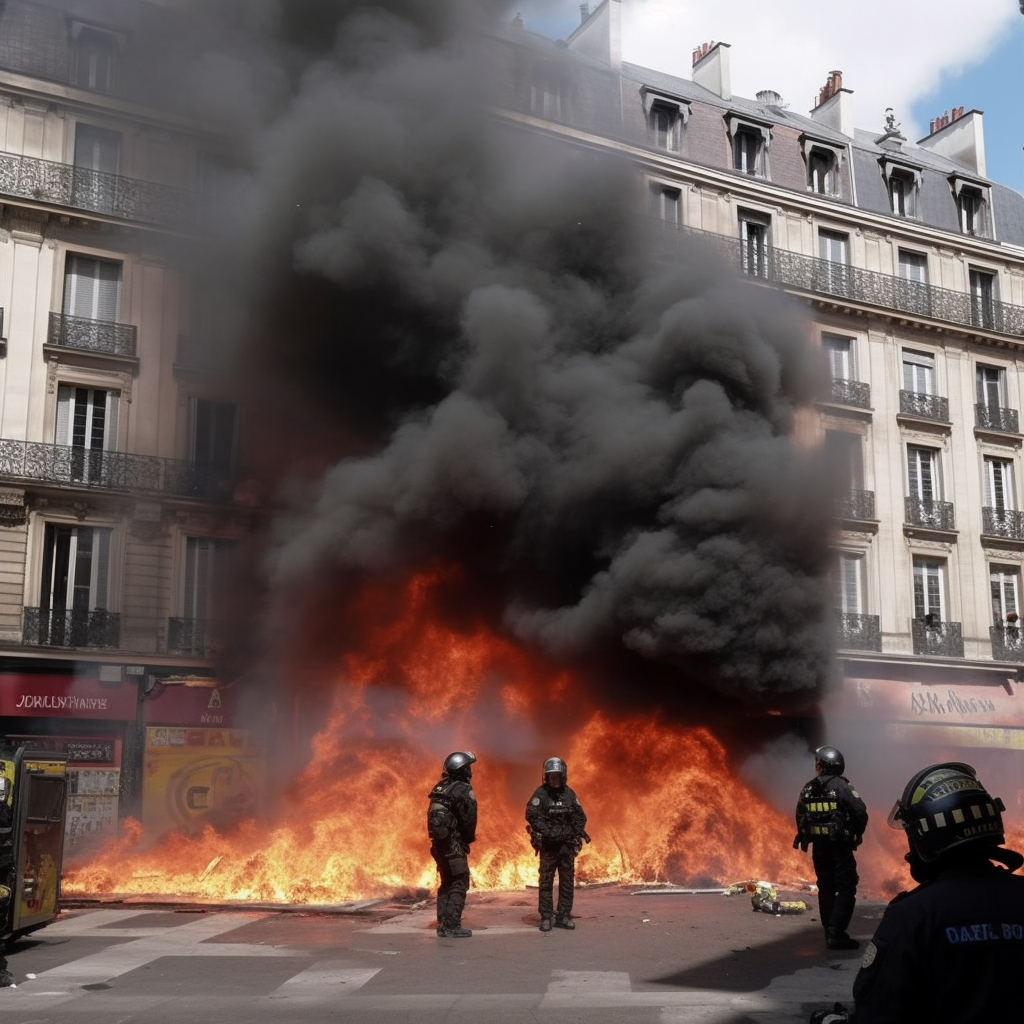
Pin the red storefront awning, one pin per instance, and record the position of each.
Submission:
(65, 696)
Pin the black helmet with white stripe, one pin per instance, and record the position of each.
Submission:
(829, 761)
(944, 807)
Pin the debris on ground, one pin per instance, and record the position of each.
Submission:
(764, 897)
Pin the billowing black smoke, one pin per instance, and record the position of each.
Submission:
(603, 440)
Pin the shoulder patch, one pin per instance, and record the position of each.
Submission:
(855, 793)
(535, 802)
(869, 955)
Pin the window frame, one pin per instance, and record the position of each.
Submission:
(754, 245)
(759, 135)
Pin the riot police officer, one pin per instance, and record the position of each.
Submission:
(451, 825)
(6, 865)
(951, 950)
(556, 822)
(831, 817)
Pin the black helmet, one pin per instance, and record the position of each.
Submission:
(553, 766)
(829, 760)
(945, 807)
(457, 764)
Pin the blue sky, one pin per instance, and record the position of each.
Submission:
(944, 59)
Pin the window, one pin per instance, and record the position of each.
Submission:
(213, 433)
(929, 582)
(547, 93)
(664, 123)
(833, 252)
(844, 451)
(206, 563)
(1005, 591)
(849, 584)
(86, 423)
(913, 266)
(903, 194)
(999, 490)
(991, 384)
(76, 569)
(750, 142)
(754, 243)
(982, 298)
(92, 288)
(822, 171)
(922, 473)
(918, 372)
(972, 207)
(95, 59)
(666, 204)
(97, 162)
(839, 352)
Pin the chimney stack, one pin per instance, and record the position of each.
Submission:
(711, 69)
(958, 136)
(834, 108)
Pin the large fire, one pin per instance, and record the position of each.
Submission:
(665, 802)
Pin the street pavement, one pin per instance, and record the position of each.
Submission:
(640, 958)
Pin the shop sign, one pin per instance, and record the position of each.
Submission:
(63, 696)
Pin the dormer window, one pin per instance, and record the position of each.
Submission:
(750, 140)
(666, 117)
(96, 58)
(903, 184)
(823, 162)
(972, 207)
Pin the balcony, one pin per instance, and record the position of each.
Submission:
(102, 336)
(935, 515)
(1007, 642)
(991, 417)
(939, 639)
(113, 471)
(839, 280)
(858, 632)
(850, 392)
(189, 636)
(81, 188)
(43, 627)
(859, 505)
(924, 407)
(1002, 522)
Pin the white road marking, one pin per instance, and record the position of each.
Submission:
(324, 980)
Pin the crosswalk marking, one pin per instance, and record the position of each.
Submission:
(324, 980)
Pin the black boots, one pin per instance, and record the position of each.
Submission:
(836, 938)
(565, 922)
(545, 924)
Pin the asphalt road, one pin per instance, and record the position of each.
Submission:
(655, 959)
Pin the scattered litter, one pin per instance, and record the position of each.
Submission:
(673, 891)
(764, 897)
(211, 867)
(31, 977)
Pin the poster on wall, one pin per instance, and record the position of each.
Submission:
(196, 777)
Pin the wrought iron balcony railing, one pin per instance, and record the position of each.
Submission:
(884, 291)
(45, 627)
(189, 636)
(991, 417)
(856, 505)
(1002, 522)
(116, 471)
(92, 335)
(81, 188)
(925, 407)
(851, 392)
(937, 515)
(858, 632)
(942, 639)
(1007, 642)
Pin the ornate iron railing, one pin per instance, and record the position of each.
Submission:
(858, 632)
(938, 515)
(943, 639)
(851, 392)
(884, 291)
(1002, 522)
(925, 407)
(116, 471)
(990, 417)
(81, 188)
(188, 636)
(856, 505)
(1007, 643)
(44, 627)
(92, 335)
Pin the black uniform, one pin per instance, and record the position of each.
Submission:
(451, 825)
(557, 826)
(950, 951)
(831, 817)
(6, 884)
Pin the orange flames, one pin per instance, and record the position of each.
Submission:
(664, 801)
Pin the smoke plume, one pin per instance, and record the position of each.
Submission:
(501, 371)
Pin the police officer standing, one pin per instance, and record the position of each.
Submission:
(556, 822)
(6, 864)
(951, 950)
(831, 817)
(451, 825)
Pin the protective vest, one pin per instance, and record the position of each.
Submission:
(824, 815)
(441, 820)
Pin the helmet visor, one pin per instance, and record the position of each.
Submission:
(895, 819)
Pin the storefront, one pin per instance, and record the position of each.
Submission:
(200, 768)
(86, 720)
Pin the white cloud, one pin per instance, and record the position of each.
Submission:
(890, 54)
